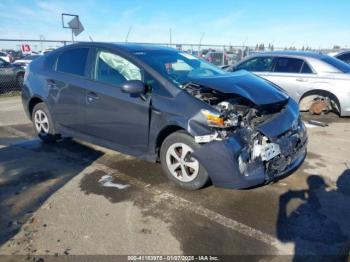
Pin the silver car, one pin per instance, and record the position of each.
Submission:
(312, 79)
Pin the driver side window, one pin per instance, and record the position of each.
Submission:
(114, 69)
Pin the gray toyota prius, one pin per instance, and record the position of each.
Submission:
(235, 130)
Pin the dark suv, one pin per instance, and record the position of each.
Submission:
(160, 104)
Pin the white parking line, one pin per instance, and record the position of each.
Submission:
(181, 203)
(16, 132)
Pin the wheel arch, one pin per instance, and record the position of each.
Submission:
(163, 134)
(322, 92)
(32, 103)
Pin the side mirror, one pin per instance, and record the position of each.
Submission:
(134, 87)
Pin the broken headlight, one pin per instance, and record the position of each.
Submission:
(220, 121)
(213, 119)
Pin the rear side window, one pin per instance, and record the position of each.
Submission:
(306, 69)
(288, 65)
(73, 61)
(258, 64)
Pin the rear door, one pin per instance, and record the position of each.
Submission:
(293, 75)
(66, 86)
(112, 115)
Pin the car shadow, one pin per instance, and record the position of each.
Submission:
(317, 224)
(30, 172)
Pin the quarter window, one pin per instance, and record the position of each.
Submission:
(114, 69)
(258, 64)
(288, 65)
(73, 61)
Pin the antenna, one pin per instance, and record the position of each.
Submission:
(127, 34)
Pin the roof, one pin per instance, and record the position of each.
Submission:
(291, 53)
(133, 47)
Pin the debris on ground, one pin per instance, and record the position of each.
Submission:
(317, 123)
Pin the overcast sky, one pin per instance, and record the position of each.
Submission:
(321, 23)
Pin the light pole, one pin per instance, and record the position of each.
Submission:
(200, 42)
(127, 34)
(41, 37)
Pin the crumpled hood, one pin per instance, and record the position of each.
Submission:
(245, 84)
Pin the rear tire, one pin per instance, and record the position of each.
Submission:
(43, 124)
(178, 164)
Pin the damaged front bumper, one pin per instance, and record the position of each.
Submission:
(229, 162)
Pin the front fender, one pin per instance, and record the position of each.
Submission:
(220, 159)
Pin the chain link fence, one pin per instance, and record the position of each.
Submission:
(16, 54)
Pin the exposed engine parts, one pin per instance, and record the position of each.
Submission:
(234, 111)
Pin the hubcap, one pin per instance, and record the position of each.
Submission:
(41, 122)
(180, 162)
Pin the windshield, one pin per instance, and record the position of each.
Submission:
(178, 67)
(338, 64)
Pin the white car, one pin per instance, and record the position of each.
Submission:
(318, 82)
(5, 56)
(26, 60)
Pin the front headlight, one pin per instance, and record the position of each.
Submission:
(213, 119)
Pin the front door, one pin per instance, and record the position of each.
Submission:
(112, 115)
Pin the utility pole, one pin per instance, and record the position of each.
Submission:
(41, 37)
(127, 34)
(170, 36)
(200, 41)
(245, 40)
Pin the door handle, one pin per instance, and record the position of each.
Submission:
(301, 79)
(91, 96)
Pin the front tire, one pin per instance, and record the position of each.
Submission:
(179, 165)
(43, 124)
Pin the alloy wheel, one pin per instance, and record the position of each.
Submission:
(41, 122)
(180, 162)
